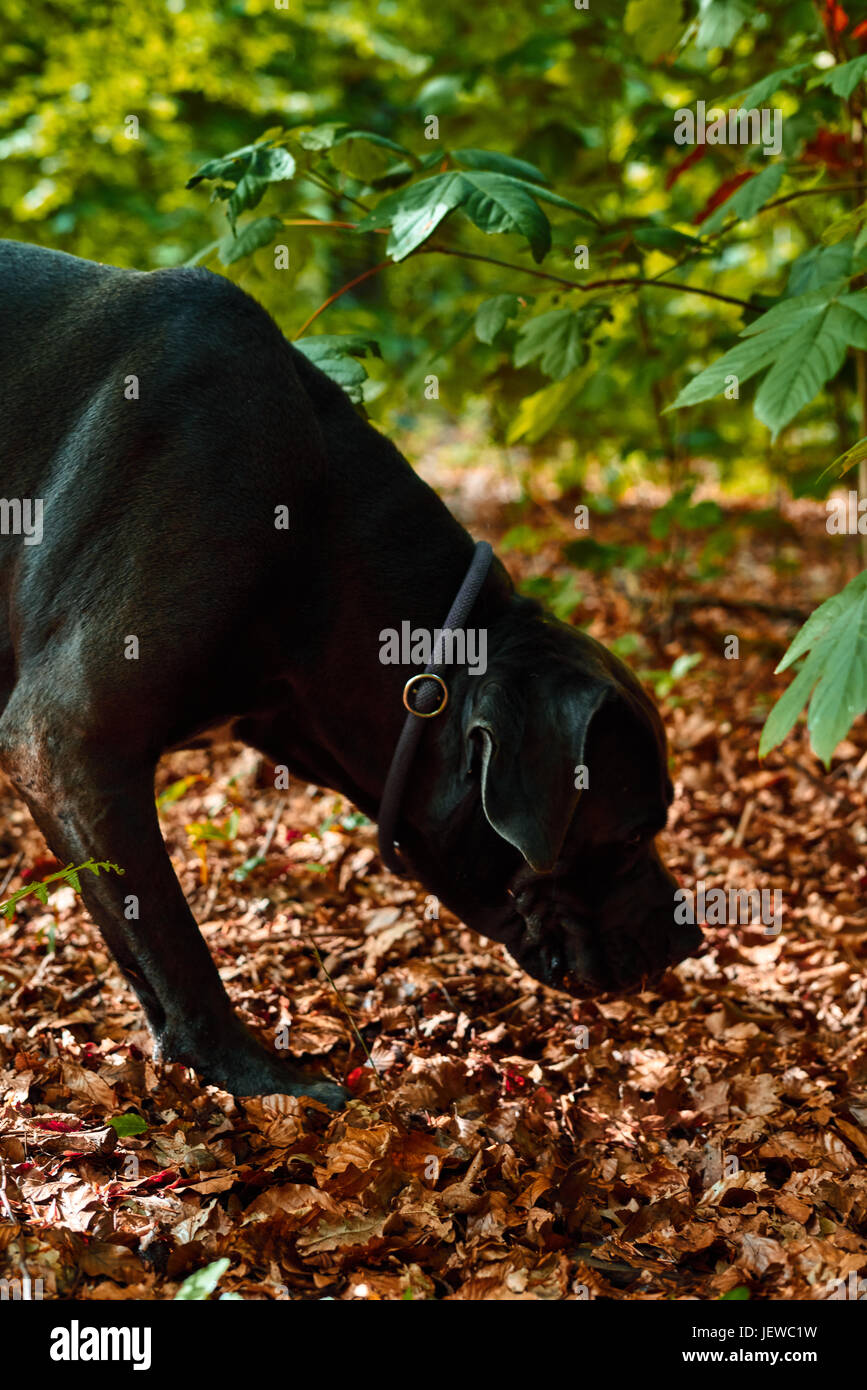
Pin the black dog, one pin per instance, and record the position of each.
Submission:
(162, 420)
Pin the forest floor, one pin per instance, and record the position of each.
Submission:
(706, 1140)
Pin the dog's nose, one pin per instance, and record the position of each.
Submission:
(684, 941)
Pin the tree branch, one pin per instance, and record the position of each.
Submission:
(350, 284)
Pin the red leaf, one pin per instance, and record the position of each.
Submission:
(828, 148)
(725, 190)
(164, 1178)
(514, 1082)
(692, 158)
(40, 869)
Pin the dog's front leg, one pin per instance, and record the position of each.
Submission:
(89, 804)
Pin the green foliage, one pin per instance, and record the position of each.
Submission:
(70, 875)
(663, 682)
(201, 832)
(601, 556)
(125, 1125)
(322, 117)
(199, 1286)
(680, 511)
(803, 341)
(562, 594)
(336, 354)
(496, 191)
(833, 678)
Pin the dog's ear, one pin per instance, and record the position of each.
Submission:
(528, 742)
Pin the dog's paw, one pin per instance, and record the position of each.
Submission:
(325, 1092)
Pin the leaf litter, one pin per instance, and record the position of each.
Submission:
(704, 1140)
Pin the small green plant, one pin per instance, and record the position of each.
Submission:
(199, 1286)
(128, 1123)
(176, 790)
(202, 832)
(663, 682)
(832, 679)
(562, 594)
(70, 875)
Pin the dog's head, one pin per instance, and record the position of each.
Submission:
(535, 808)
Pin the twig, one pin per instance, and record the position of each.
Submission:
(213, 893)
(435, 249)
(11, 874)
(744, 821)
(272, 831)
(350, 1019)
(735, 605)
(365, 275)
(636, 280)
(839, 798)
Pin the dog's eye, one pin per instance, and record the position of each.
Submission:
(634, 840)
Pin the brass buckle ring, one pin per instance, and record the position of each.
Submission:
(425, 676)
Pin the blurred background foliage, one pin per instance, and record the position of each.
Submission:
(107, 112)
(586, 95)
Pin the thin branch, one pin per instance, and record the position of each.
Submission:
(359, 1039)
(336, 192)
(636, 280)
(811, 193)
(681, 289)
(316, 222)
(350, 284)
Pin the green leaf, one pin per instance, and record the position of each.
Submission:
(374, 138)
(547, 195)
(364, 156)
(493, 315)
(498, 163)
(318, 137)
(265, 165)
(335, 354)
(500, 203)
(842, 464)
(833, 677)
(845, 226)
(201, 1285)
(666, 239)
(556, 340)
(494, 202)
(590, 554)
(747, 200)
(844, 78)
(251, 169)
(720, 21)
(537, 413)
(655, 24)
(414, 213)
(176, 790)
(227, 166)
(803, 340)
(739, 1294)
(260, 232)
(127, 1124)
(762, 91)
(819, 266)
(742, 361)
(811, 357)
